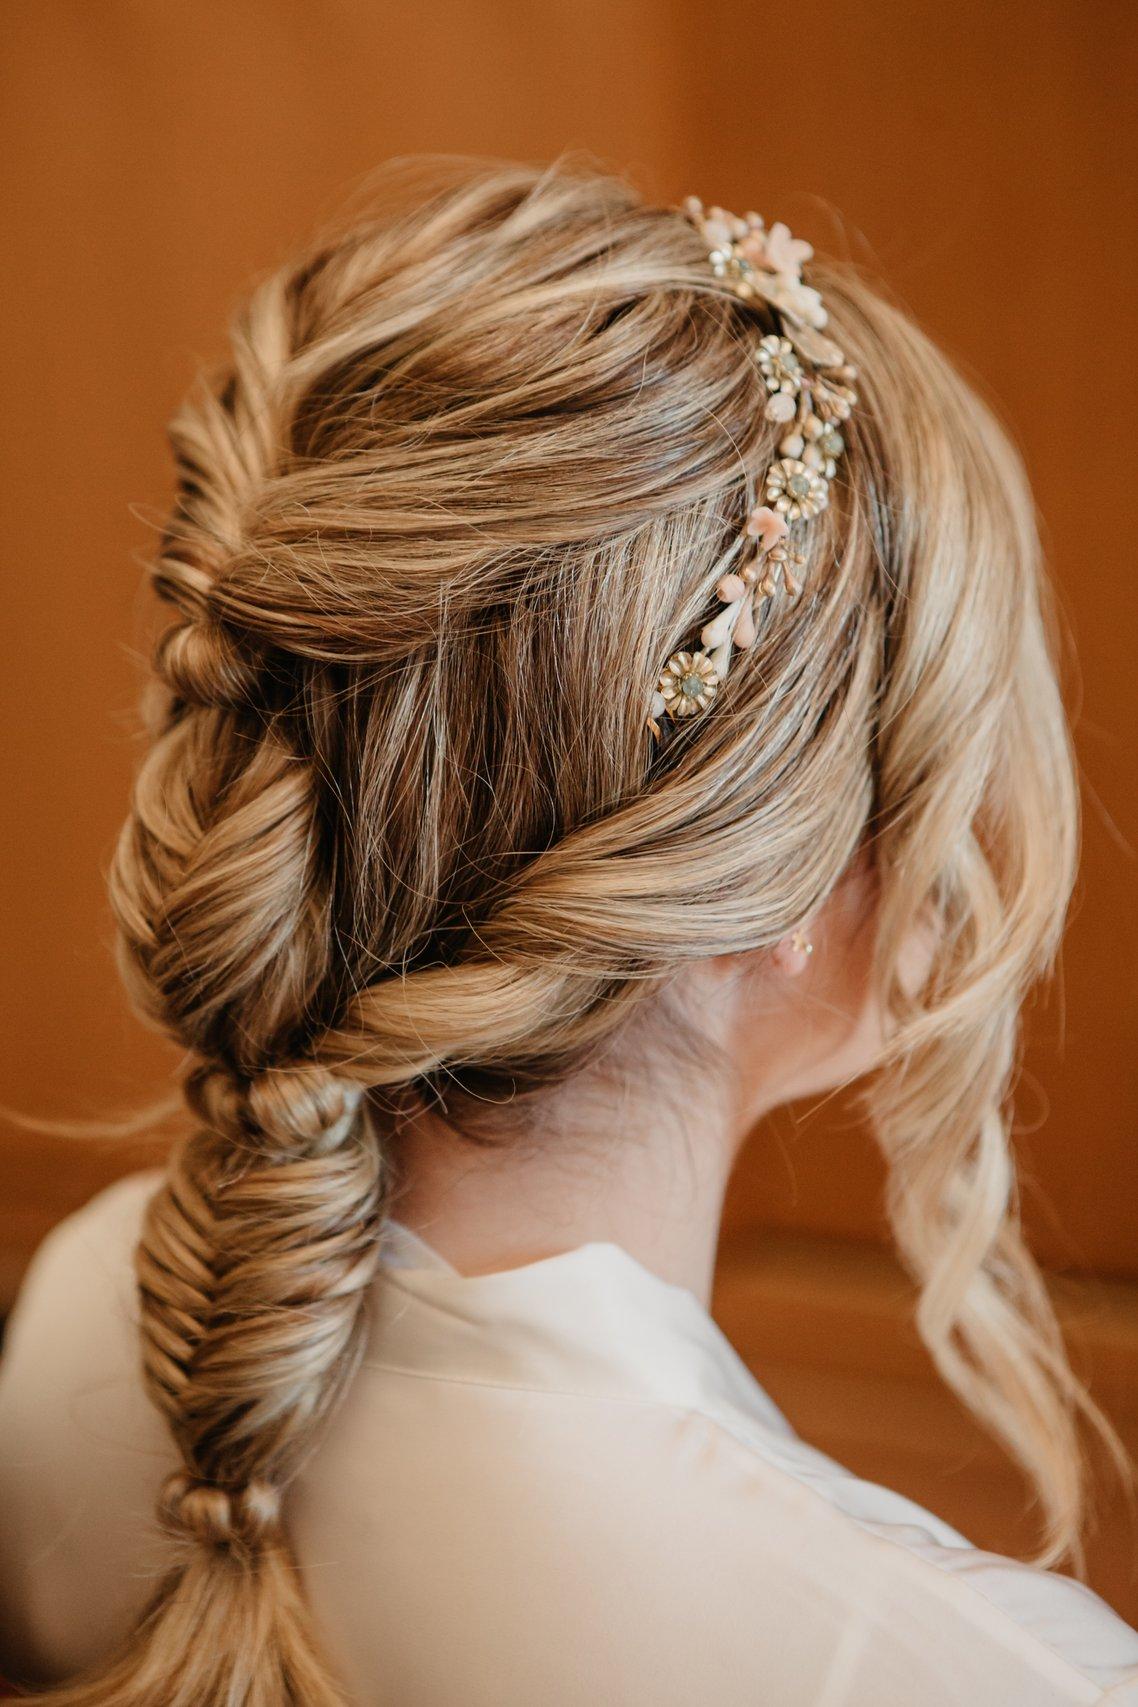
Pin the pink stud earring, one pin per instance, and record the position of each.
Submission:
(793, 952)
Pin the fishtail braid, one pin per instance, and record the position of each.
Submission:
(467, 482)
(258, 1249)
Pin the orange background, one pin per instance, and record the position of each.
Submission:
(979, 158)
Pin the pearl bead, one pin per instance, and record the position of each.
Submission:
(744, 631)
(780, 407)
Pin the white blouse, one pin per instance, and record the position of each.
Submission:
(556, 1484)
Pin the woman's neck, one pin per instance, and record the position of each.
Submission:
(651, 1183)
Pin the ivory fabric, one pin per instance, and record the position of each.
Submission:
(552, 1486)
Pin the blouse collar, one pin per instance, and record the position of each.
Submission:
(592, 1320)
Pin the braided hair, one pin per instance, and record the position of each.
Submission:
(462, 486)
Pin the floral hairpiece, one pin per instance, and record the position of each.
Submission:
(810, 391)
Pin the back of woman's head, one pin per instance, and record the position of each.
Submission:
(404, 830)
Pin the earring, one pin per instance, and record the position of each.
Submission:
(793, 952)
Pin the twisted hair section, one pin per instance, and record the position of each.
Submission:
(258, 1250)
(473, 467)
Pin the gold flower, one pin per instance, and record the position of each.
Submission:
(833, 397)
(825, 446)
(688, 683)
(780, 366)
(795, 489)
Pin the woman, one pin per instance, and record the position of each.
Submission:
(608, 697)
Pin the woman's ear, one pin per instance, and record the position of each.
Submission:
(791, 954)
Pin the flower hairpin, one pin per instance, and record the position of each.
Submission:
(809, 387)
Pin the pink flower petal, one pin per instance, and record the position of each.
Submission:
(767, 526)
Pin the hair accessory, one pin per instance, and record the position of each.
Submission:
(810, 393)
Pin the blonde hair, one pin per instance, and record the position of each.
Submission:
(464, 485)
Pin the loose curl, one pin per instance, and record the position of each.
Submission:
(466, 481)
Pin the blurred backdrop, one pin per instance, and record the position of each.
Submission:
(979, 158)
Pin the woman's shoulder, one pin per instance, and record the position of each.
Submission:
(89, 1253)
(80, 1443)
(74, 1322)
(920, 1592)
(103, 1228)
(732, 1549)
